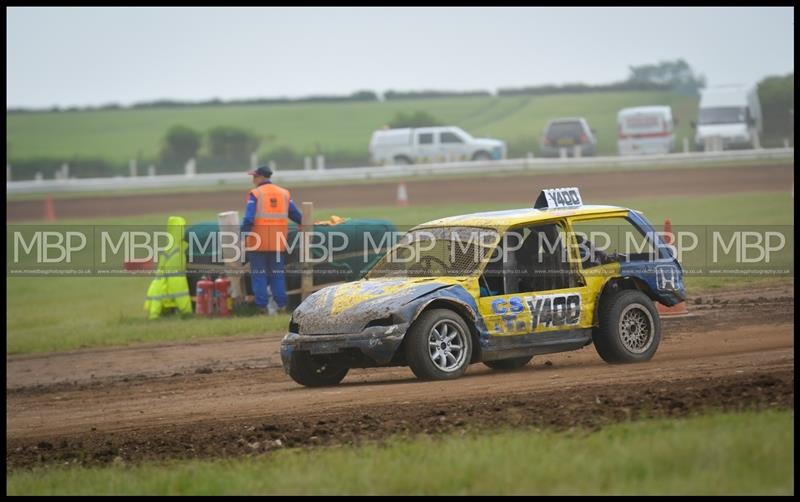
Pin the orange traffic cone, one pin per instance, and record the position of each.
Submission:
(668, 236)
(679, 309)
(49, 210)
(402, 194)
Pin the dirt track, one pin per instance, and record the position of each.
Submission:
(228, 397)
(513, 189)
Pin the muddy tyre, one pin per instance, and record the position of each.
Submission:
(313, 371)
(514, 363)
(438, 345)
(482, 156)
(629, 328)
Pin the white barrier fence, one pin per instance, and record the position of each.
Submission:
(322, 175)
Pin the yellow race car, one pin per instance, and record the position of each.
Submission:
(497, 288)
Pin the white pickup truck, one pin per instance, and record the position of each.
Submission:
(431, 145)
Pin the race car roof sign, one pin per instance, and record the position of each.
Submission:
(557, 198)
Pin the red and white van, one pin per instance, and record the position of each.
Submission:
(646, 130)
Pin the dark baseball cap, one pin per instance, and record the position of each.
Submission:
(264, 171)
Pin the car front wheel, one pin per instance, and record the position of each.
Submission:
(438, 345)
(629, 329)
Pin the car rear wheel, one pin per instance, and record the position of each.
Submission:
(509, 364)
(315, 371)
(629, 330)
(438, 345)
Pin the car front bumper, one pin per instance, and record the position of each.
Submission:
(377, 343)
(727, 143)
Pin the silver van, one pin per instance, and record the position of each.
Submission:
(729, 118)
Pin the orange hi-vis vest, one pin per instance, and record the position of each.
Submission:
(271, 219)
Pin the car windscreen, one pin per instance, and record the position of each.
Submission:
(722, 115)
(564, 129)
(437, 252)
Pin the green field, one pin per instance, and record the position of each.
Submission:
(121, 135)
(64, 313)
(246, 183)
(720, 454)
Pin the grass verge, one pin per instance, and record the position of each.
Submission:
(720, 454)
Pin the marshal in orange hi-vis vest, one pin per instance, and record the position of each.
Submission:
(271, 220)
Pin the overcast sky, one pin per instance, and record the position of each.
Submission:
(89, 56)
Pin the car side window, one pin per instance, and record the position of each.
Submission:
(542, 260)
(449, 137)
(425, 138)
(607, 240)
(529, 259)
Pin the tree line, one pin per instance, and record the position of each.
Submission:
(359, 96)
(675, 75)
(776, 95)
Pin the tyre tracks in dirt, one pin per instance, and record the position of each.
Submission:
(230, 397)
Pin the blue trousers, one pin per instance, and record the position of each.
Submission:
(267, 270)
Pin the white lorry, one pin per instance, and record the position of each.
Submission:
(646, 130)
(431, 145)
(729, 117)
